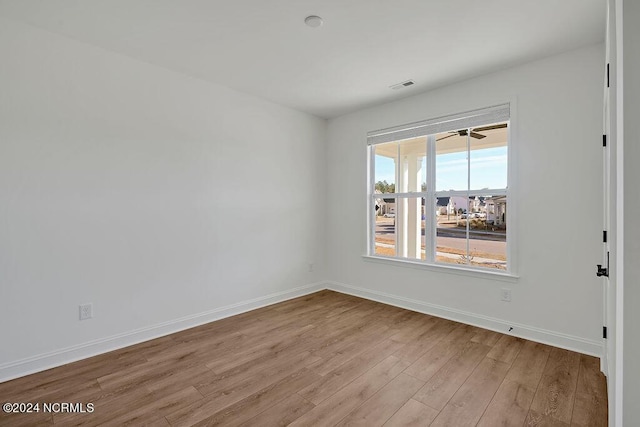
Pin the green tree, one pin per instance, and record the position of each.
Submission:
(385, 187)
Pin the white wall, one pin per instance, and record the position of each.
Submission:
(631, 101)
(556, 140)
(152, 195)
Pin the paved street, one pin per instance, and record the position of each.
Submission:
(447, 236)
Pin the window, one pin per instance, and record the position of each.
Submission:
(438, 190)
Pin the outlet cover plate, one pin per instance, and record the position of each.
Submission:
(86, 311)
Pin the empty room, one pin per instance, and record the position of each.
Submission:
(319, 213)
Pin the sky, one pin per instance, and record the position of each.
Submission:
(488, 169)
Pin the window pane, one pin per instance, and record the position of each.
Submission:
(412, 168)
(410, 227)
(386, 161)
(451, 161)
(469, 173)
(451, 230)
(488, 157)
(488, 232)
(385, 228)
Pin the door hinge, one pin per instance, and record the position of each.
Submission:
(604, 140)
(604, 332)
(604, 236)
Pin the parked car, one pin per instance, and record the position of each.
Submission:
(389, 215)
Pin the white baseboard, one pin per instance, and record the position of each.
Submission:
(556, 339)
(30, 365)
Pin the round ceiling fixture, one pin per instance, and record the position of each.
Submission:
(313, 21)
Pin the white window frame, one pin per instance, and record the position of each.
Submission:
(429, 128)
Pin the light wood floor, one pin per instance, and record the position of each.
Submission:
(322, 360)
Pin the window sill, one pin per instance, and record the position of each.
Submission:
(462, 271)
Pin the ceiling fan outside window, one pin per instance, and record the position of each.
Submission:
(474, 132)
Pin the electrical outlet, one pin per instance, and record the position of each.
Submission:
(505, 293)
(311, 267)
(86, 311)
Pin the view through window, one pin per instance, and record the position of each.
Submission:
(442, 197)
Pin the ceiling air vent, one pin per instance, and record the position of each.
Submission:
(403, 84)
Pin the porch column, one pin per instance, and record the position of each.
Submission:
(409, 210)
(415, 208)
(401, 207)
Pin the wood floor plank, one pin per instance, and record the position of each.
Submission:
(440, 387)
(386, 402)
(259, 402)
(405, 325)
(431, 361)
(180, 379)
(199, 349)
(506, 349)
(223, 407)
(240, 379)
(429, 338)
(84, 391)
(295, 314)
(139, 375)
(509, 406)
(254, 350)
(332, 334)
(260, 366)
(414, 327)
(340, 377)
(74, 374)
(110, 405)
(486, 337)
(555, 395)
(536, 419)
(590, 407)
(342, 307)
(281, 414)
(513, 399)
(26, 419)
(352, 335)
(323, 359)
(412, 414)
(350, 351)
(156, 410)
(333, 409)
(529, 365)
(470, 401)
(317, 316)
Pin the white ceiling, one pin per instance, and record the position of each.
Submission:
(262, 47)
